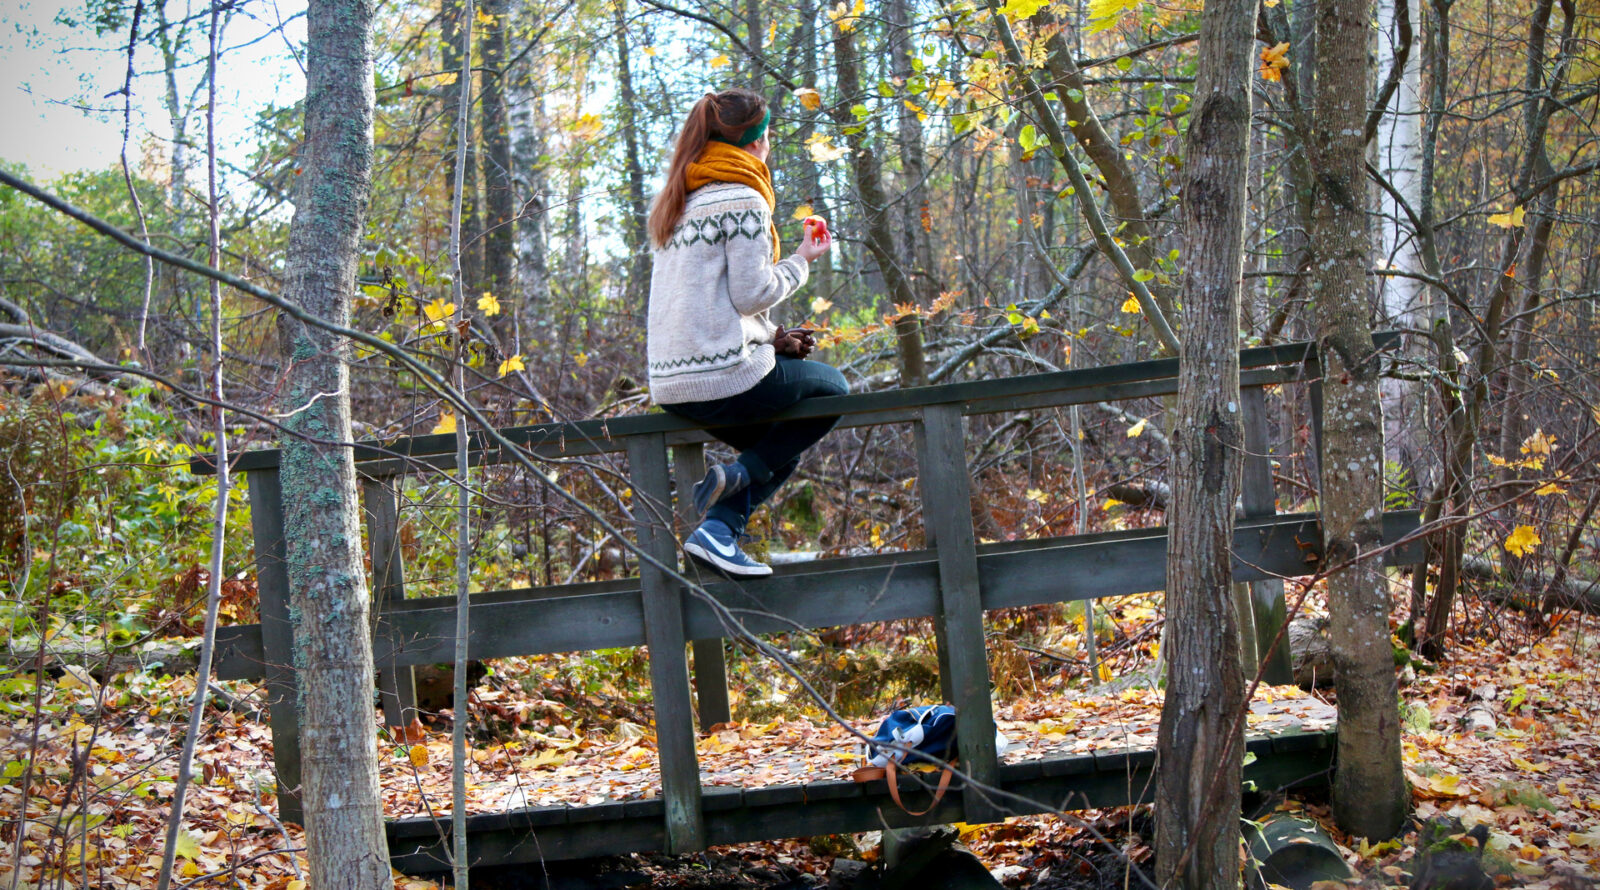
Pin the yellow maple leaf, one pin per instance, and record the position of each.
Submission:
(1038, 495)
(513, 363)
(801, 212)
(439, 310)
(720, 60)
(582, 358)
(1104, 14)
(649, 50)
(1110, 503)
(820, 305)
(1511, 220)
(1137, 429)
(809, 98)
(1017, 10)
(1105, 672)
(1549, 488)
(1522, 540)
(1446, 786)
(488, 305)
(446, 424)
(1131, 305)
(418, 754)
(485, 19)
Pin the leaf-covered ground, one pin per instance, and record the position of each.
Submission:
(1502, 735)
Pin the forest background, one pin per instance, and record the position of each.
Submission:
(962, 254)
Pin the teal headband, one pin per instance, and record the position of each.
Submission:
(751, 134)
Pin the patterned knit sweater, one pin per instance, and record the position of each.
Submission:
(712, 286)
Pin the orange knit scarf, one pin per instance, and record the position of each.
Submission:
(721, 162)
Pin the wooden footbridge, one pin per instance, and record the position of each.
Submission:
(955, 580)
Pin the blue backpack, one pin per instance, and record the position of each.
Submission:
(929, 731)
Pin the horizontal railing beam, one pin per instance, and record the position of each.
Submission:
(1271, 364)
(826, 593)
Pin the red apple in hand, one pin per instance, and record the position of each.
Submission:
(816, 228)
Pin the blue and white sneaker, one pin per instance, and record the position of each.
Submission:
(721, 480)
(716, 544)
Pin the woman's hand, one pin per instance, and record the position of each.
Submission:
(797, 343)
(816, 240)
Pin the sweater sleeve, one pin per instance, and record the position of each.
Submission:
(755, 282)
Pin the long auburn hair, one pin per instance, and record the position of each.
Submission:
(727, 115)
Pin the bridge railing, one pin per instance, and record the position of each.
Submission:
(953, 579)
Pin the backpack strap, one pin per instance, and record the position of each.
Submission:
(938, 794)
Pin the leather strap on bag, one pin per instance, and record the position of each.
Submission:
(938, 794)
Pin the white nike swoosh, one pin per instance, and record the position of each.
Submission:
(727, 552)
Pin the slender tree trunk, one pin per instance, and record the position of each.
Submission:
(1200, 748)
(499, 238)
(637, 287)
(811, 172)
(915, 220)
(1370, 793)
(1109, 158)
(453, 33)
(327, 584)
(530, 166)
(879, 228)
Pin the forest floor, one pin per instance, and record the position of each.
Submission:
(1503, 734)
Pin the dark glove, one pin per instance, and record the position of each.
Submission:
(796, 343)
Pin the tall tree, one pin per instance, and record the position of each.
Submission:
(452, 46)
(1370, 793)
(1200, 748)
(877, 223)
(637, 282)
(499, 237)
(328, 589)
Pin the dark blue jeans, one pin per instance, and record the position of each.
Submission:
(770, 450)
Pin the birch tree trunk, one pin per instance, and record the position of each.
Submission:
(1370, 795)
(525, 97)
(1200, 749)
(328, 591)
(1404, 300)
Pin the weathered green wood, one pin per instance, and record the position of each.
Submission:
(947, 513)
(822, 807)
(710, 660)
(1268, 610)
(975, 397)
(662, 613)
(275, 663)
(397, 687)
(826, 593)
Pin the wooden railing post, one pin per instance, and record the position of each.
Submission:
(1260, 499)
(277, 637)
(947, 516)
(397, 688)
(710, 659)
(664, 634)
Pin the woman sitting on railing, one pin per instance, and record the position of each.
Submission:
(715, 357)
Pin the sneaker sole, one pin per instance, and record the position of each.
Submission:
(716, 561)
